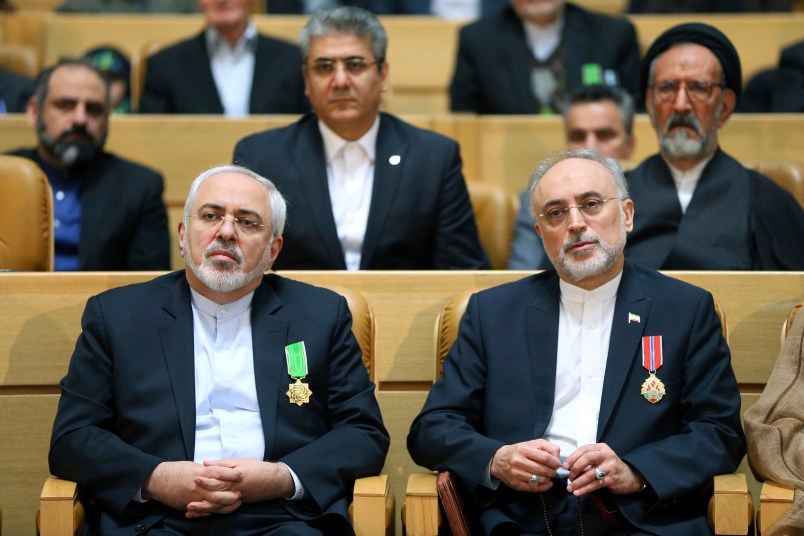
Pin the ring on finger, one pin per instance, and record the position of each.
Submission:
(599, 473)
(533, 480)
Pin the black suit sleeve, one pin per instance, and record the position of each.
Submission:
(149, 248)
(464, 90)
(155, 98)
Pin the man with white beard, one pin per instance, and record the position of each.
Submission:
(173, 416)
(700, 209)
(548, 411)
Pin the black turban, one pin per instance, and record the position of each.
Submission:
(704, 35)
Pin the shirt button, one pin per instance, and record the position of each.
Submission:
(224, 311)
(59, 195)
(56, 223)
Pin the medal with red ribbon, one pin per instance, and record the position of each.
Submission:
(652, 388)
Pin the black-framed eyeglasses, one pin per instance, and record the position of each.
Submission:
(698, 90)
(556, 216)
(353, 65)
(212, 220)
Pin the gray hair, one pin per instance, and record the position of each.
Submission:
(345, 20)
(601, 93)
(278, 204)
(552, 159)
(42, 83)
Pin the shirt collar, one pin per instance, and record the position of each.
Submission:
(215, 41)
(690, 175)
(209, 307)
(543, 40)
(333, 144)
(605, 291)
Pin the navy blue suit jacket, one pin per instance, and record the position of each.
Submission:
(124, 224)
(128, 399)
(179, 80)
(420, 217)
(499, 382)
(492, 70)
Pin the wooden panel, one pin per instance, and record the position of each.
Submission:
(25, 425)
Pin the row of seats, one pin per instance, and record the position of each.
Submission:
(421, 51)
(366, 330)
(30, 247)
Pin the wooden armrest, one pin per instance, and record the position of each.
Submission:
(60, 511)
(731, 508)
(420, 510)
(774, 501)
(373, 506)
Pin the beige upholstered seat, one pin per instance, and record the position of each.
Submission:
(26, 216)
(788, 174)
(19, 59)
(495, 213)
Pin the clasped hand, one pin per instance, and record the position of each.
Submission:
(216, 487)
(516, 464)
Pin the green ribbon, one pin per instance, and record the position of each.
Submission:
(591, 74)
(297, 359)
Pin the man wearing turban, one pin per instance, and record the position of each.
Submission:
(699, 208)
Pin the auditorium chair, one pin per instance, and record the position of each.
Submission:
(26, 216)
(774, 499)
(372, 510)
(495, 213)
(788, 174)
(429, 496)
(19, 59)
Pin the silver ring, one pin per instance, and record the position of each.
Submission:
(599, 473)
(534, 480)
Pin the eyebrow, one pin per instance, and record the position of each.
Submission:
(585, 195)
(239, 211)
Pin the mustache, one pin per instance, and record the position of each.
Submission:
(587, 237)
(684, 120)
(77, 131)
(230, 248)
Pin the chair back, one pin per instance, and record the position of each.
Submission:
(26, 216)
(19, 59)
(788, 174)
(788, 322)
(446, 328)
(364, 325)
(495, 214)
(139, 67)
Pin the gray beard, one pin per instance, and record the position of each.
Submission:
(577, 267)
(224, 277)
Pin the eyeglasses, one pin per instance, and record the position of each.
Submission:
(353, 65)
(590, 208)
(211, 220)
(697, 90)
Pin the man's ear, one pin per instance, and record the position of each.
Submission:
(32, 111)
(729, 104)
(181, 233)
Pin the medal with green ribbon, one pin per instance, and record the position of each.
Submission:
(298, 393)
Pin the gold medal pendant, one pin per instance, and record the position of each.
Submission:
(299, 393)
(653, 389)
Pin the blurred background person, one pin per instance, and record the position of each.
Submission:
(116, 67)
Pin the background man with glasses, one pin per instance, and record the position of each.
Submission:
(108, 212)
(700, 209)
(174, 416)
(573, 401)
(365, 190)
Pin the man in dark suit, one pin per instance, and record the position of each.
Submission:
(526, 58)
(15, 90)
(365, 189)
(227, 69)
(700, 209)
(235, 403)
(575, 400)
(108, 212)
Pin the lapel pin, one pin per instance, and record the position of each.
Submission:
(394, 160)
(632, 318)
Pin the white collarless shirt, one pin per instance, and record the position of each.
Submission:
(350, 177)
(686, 181)
(584, 331)
(233, 69)
(544, 40)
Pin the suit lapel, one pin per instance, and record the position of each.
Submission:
(269, 336)
(96, 195)
(196, 69)
(575, 37)
(387, 180)
(515, 63)
(176, 334)
(626, 337)
(542, 337)
(260, 89)
(311, 173)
